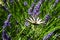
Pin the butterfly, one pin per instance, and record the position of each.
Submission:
(34, 20)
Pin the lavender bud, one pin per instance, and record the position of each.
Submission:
(37, 8)
(27, 23)
(30, 10)
(5, 36)
(8, 18)
(47, 36)
(6, 23)
(34, 11)
(25, 3)
(47, 18)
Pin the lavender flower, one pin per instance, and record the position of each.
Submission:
(25, 3)
(30, 10)
(47, 18)
(5, 36)
(35, 10)
(48, 36)
(8, 18)
(7, 23)
(26, 23)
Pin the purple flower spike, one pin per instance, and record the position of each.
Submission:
(34, 10)
(26, 23)
(5, 36)
(48, 36)
(30, 10)
(47, 18)
(7, 23)
(25, 3)
(37, 8)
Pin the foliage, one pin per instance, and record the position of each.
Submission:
(19, 11)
